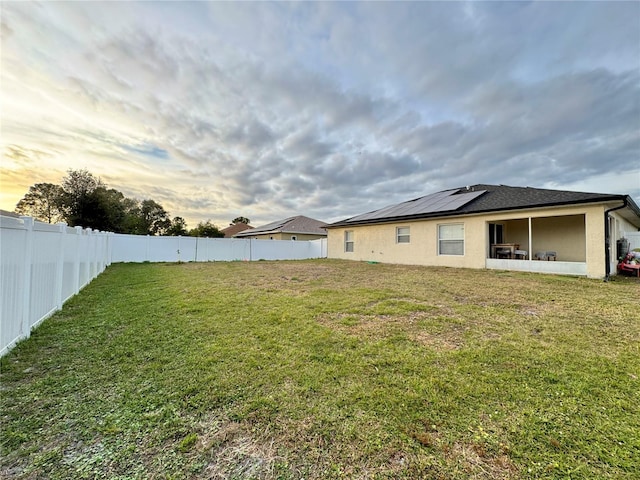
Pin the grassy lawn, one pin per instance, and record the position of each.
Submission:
(328, 369)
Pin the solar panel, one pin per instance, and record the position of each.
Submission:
(446, 201)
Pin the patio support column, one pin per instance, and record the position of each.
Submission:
(530, 241)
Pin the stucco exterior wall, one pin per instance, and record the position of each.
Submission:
(576, 233)
(378, 243)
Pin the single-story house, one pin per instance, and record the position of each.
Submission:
(292, 228)
(495, 227)
(235, 228)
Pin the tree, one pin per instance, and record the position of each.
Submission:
(108, 210)
(155, 218)
(241, 220)
(83, 200)
(178, 227)
(43, 202)
(206, 229)
(79, 203)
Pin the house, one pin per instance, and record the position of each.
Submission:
(292, 228)
(235, 228)
(495, 227)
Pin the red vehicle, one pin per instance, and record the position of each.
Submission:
(630, 264)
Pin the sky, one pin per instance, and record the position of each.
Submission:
(326, 109)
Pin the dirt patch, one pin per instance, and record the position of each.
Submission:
(234, 452)
(475, 460)
(442, 334)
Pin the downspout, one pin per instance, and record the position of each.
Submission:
(607, 239)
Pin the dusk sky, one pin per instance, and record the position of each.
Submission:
(269, 110)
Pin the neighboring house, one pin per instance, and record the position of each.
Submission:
(235, 228)
(292, 228)
(6, 213)
(496, 227)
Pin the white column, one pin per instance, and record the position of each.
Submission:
(530, 241)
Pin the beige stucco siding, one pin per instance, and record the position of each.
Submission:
(378, 243)
(575, 233)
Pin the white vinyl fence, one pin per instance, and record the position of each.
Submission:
(136, 248)
(41, 267)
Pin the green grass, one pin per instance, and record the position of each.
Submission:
(328, 369)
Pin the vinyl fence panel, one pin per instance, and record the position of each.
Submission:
(223, 249)
(139, 248)
(44, 268)
(13, 276)
(41, 266)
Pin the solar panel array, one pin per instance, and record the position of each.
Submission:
(268, 227)
(446, 201)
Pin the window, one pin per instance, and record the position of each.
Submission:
(293, 237)
(402, 235)
(451, 239)
(348, 241)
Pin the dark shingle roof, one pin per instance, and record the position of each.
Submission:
(503, 197)
(299, 224)
(488, 198)
(232, 230)
(6, 213)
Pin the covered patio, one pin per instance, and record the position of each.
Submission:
(551, 244)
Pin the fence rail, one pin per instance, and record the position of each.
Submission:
(41, 267)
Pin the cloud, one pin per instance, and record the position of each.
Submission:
(324, 109)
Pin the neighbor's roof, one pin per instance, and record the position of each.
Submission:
(235, 228)
(6, 213)
(479, 199)
(299, 225)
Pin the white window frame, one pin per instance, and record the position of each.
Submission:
(440, 239)
(404, 237)
(348, 241)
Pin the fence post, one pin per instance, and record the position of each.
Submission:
(112, 237)
(87, 258)
(62, 227)
(76, 266)
(25, 324)
(93, 254)
(97, 254)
